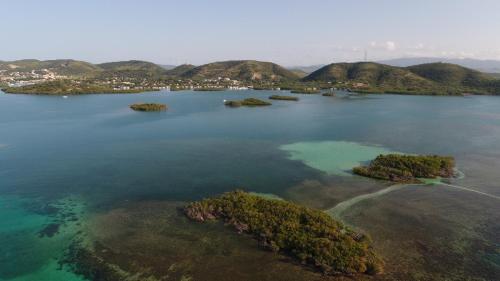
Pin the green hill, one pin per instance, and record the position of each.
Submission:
(374, 75)
(246, 70)
(60, 67)
(299, 73)
(179, 70)
(132, 69)
(451, 74)
(431, 78)
(435, 78)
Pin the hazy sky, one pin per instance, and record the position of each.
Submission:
(286, 32)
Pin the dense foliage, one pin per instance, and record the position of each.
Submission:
(232, 103)
(247, 102)
(133, 69)
(288, 98)
(407, 168)
(243, 70)
(210, 89)
(329, 94)
(305, 91)
(148, 107)
(61, 67)
(66, 87)
(179, 70)
(311, 236)
(425, 79)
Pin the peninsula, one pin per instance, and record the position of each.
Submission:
(72, 87)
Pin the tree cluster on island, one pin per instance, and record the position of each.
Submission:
(307, 235)
(148, 107)
(281, 97)
(246, 102)
(408, 168)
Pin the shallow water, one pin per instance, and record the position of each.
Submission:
(333, 157)
(95, 151)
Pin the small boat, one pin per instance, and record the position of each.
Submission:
(224, 101)
(65, 97)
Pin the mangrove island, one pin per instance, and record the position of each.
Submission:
(246, 102)
(148, 107)
(407, 168)
(307, 235)
(278, 97)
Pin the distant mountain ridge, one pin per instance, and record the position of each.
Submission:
(62, 67)
(131, 68)
(369, 73)
(68, 67)
(306, 69)
(179, 70)
(247, 70)
(432, 78)
(489, 66)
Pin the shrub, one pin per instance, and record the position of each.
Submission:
(148, 107)
(407, 168)
(310, 236)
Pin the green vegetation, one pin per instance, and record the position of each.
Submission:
(308, 235)
(148, 107)
(254, 102)
(134, 69)
(178, 88)
(247, 102)
(244, 70)
(305, 91)
(299, 73)
(210, 89)
(233, 103)
(425, 79)
(288, 98)
(179, 70)
(407, 168)
(61, 67)
(264, 88)
(363, 77)
(67, 87)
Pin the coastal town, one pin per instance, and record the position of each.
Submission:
(23, 78)
(13, 79)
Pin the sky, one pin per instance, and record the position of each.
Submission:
(289, 32)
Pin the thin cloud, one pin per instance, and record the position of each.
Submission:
(387, 45)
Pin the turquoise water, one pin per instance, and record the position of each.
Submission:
(333, 157)
(95, 152)
(27, 252)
